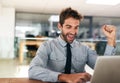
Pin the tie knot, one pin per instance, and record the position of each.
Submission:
(68, 45)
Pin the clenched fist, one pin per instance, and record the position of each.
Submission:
(110, 33)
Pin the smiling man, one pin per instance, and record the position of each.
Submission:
(54, 63)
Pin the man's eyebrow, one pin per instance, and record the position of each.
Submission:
(71, 25)
(67, 25)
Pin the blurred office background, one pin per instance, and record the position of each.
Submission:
(26, 24)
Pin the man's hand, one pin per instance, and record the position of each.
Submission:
(74, 78)
(110, 33)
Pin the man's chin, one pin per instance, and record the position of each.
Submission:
(70, 41)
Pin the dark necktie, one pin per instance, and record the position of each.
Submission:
(68, 60)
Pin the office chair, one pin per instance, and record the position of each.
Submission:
(31, 48)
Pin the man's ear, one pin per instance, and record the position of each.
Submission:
(59, 26)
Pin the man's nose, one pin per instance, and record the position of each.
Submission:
(73, 31)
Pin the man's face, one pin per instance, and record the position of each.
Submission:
(69, 29)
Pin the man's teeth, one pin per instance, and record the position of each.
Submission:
(71, 36)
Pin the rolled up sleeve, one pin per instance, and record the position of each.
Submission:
(110, 50)
(43, 74)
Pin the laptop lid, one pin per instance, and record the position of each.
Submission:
(107, 70)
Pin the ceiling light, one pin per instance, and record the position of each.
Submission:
(54, 18)
(103, 2)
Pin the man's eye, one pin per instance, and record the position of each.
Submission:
(76, 27)
(68, 27)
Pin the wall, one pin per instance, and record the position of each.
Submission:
(7, 24)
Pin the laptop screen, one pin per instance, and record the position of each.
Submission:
(107, 70)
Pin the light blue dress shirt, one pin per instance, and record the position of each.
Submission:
(50, 59)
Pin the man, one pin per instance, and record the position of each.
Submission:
(50, 60)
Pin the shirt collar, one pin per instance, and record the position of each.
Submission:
(63, 43)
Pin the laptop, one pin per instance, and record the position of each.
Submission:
(107, 70)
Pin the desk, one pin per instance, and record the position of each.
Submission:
(19, 80)
(23, 80)
(23, 42)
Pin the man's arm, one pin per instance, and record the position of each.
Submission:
(38, 67)
(110, 33)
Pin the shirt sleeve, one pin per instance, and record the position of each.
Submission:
(38, 67)
(110, 50)
(92, 56)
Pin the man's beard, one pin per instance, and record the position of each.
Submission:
(67, 35)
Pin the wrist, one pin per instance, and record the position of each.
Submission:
(111, 42)
(62, 77)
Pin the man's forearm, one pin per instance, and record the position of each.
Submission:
(112, 42)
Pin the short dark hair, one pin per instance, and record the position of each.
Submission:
(69, 12)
